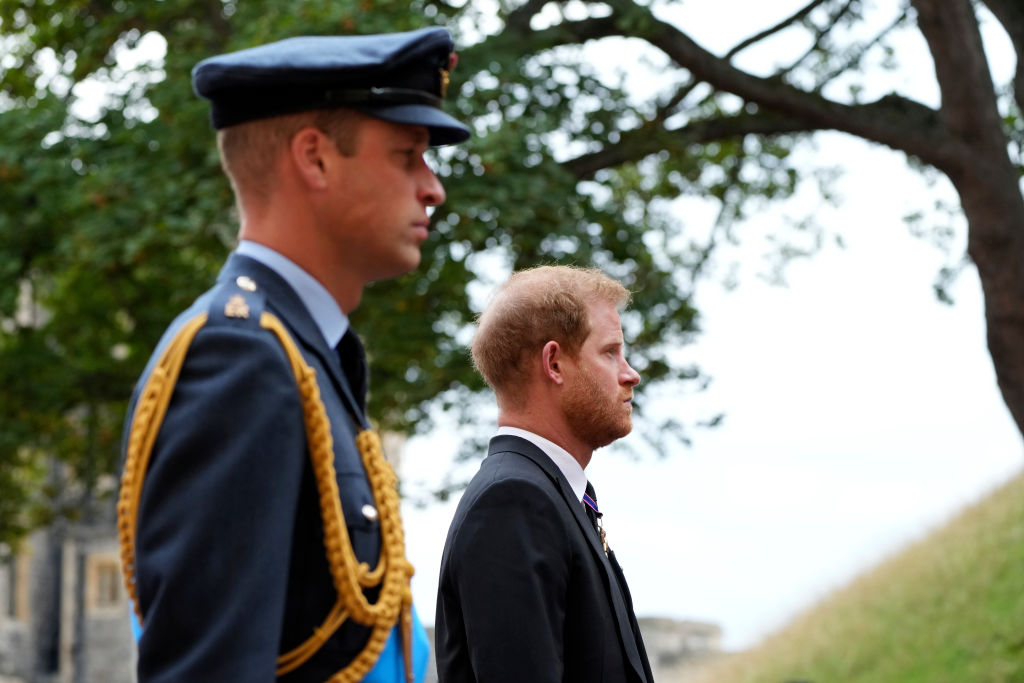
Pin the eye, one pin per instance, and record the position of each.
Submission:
(412, 157)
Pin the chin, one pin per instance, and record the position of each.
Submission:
(397, 269)
(609, 438)
(413, 262)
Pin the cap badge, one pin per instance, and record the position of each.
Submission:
(446, 74)
(445, 80)
(236, 307)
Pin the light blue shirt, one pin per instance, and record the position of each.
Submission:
(325, 311)
(569, 465)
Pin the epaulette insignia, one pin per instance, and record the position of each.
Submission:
(236, 307)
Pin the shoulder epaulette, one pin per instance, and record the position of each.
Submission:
(237, 301)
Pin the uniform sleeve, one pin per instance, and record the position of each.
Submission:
(509, 564)
(217, 512)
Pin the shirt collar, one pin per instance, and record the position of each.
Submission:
(326, 313)
(569, 466)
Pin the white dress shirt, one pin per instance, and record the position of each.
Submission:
(569, 466)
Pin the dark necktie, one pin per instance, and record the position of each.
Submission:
(590, 504)
(353, 364)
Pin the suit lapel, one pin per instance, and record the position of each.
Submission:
(618, 601)
(634, 626)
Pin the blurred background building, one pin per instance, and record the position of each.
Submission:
(65, 614)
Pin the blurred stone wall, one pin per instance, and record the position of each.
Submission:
(64, 616)
(676, 649)
(64, 613)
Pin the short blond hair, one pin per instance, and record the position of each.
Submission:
(535, 306)
(248, 151)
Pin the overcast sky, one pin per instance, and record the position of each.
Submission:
(860, 412)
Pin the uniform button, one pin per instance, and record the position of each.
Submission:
(246, 283)
(370, 512)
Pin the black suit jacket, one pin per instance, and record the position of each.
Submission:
(527, 594)
(230, 561)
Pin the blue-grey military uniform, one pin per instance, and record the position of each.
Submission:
(229, 563)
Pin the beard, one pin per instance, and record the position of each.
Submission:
(594, 417)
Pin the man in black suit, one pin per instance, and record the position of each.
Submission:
(255, 502)
(529, 591)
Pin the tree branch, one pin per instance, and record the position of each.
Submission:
(984, 176)
(519, 19)
(669, 108)
(861, 51)
(1010, 13)
(785, 23)
(816, 44)
(968, 97)
(895, 121)
(819, 37)
(634, 145)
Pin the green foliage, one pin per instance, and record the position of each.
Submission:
(949, 608)
(115, 215)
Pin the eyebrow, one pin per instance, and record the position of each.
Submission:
(419, 136)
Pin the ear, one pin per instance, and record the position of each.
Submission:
(307, 152)
(552, 358)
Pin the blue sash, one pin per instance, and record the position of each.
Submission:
(390, 667)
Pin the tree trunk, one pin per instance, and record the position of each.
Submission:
(995, 216)
(986, 181)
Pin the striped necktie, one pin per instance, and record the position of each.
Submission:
(595, 515)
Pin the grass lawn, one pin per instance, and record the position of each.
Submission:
(947, 609)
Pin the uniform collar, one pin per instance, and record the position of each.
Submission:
(328, 316)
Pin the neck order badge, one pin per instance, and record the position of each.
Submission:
(590, 500)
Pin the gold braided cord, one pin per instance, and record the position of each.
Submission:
(149, 414)
(350, 575)
(392, 573)
(295, 657)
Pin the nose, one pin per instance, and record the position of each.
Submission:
(629, 376)
(431, 191)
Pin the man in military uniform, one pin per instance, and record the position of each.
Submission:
(259, 525)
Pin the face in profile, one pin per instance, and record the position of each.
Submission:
(379, 212)
(598, 395)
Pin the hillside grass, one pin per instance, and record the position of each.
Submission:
(947, 609)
